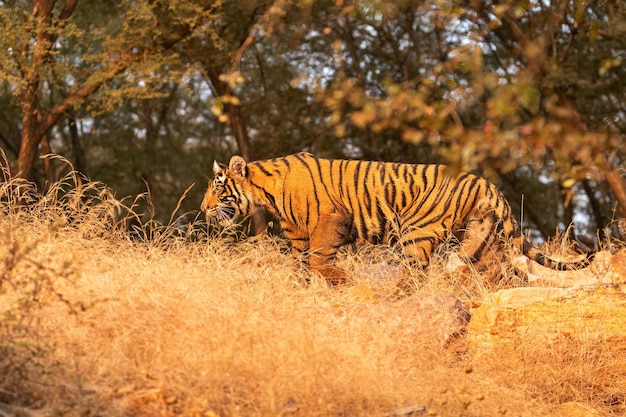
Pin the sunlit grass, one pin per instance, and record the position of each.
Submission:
(103, 315)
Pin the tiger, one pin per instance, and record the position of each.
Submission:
(324, 204)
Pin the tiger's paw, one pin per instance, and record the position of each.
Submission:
(333, 275)
(456, 265)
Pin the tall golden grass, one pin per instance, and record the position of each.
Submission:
(103, 319)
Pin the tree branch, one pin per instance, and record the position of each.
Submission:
(273, 10)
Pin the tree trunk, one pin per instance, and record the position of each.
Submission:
(235, 118)
(596, 206)
(51, 174)
(46, 33)
(238, 126)
(32, 124)
(80, 162)
(31, 134)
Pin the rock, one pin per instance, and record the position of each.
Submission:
(444, 313)
(531, 324)
(567, 324)
(440, 317)
(575, 312)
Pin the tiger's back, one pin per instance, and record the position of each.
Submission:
(323, 204)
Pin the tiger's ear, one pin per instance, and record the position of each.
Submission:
(217, 168)
(237, 166)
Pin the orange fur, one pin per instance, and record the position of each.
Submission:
(323, 204)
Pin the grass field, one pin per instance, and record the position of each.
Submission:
(97, 321)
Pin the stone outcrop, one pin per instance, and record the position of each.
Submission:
(594, 305)
(517, 313)
(580, 314)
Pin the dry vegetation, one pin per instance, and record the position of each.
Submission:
(96, 321)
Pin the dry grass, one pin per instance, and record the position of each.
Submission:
(97, 323)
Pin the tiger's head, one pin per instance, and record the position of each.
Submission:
(226, 198)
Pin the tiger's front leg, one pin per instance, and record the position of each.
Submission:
(319, 258)
(300, 242)
(329, 234)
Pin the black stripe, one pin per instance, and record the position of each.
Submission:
(269, 197)
(341, 171)
(307, 215)
(382, 226)
(419, 240)
(262, 169)
(361, 197)
(300, 157)
(323, 180)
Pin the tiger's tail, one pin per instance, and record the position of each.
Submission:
(542, 259)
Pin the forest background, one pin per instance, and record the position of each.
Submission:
(143, 95)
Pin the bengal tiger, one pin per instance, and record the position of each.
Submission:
(323, 204)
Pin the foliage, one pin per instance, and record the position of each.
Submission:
(148, 94)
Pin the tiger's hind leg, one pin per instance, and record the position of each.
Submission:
(477, 237)
(481, 245)
(418, 245)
